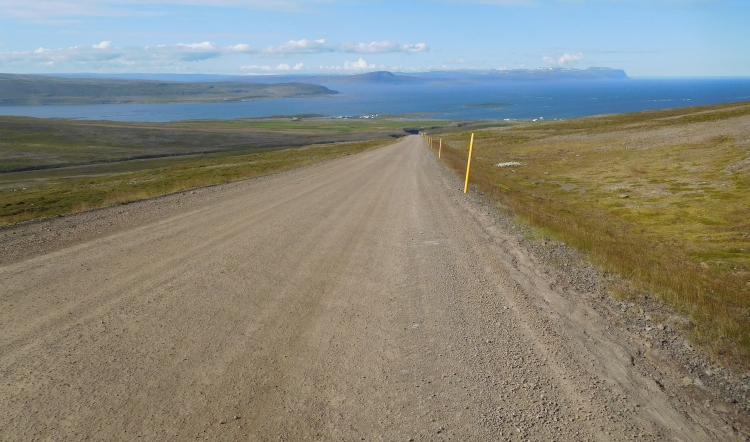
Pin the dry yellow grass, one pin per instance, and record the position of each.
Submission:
(662, 198)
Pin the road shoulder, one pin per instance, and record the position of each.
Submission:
(651, 336)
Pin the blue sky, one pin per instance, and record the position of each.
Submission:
(647, 38)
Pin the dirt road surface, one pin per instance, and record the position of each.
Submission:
(365, 298)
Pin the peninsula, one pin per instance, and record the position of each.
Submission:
(46, 90)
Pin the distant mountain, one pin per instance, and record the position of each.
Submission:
(561, 74)
(460, 77)
(380, 77)
(541, 74)
(38, 89)
(385, 77)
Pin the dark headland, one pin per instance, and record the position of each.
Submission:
(47, 90)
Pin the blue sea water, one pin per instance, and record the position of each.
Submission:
(455, 102)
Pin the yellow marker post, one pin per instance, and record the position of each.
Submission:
(468, 164)
(440, 150)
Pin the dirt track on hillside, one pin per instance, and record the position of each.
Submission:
(365, 298)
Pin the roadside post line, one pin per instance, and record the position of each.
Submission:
(440, 150)
(468, 164)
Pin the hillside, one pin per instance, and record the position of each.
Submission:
(43, 90)
(660, 197)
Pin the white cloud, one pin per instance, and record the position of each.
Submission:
(205, 46)
(370, 48)
(358, 65)
(568, 58)
(45, 9)
(256, 67)
(190, 51)
(241, 48)
(282, 67)
(48, 9)
(413, 49)
(381, 47)
(105, 56)
(39, 9)
(563, 59)
(298, 47)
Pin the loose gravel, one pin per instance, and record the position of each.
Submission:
(366, 298)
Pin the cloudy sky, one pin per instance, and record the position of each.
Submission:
(647, 38)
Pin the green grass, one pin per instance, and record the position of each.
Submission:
(661, 197)
(31, 143)
(314, 124)
(46, 193)
(51, 167)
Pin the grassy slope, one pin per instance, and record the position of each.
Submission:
(52, 167)
(662, 198)
(43, 90)
(60, 191)
(30, 143)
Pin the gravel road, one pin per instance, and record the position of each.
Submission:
(365, 298)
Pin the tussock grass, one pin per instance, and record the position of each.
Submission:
(661, 198)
